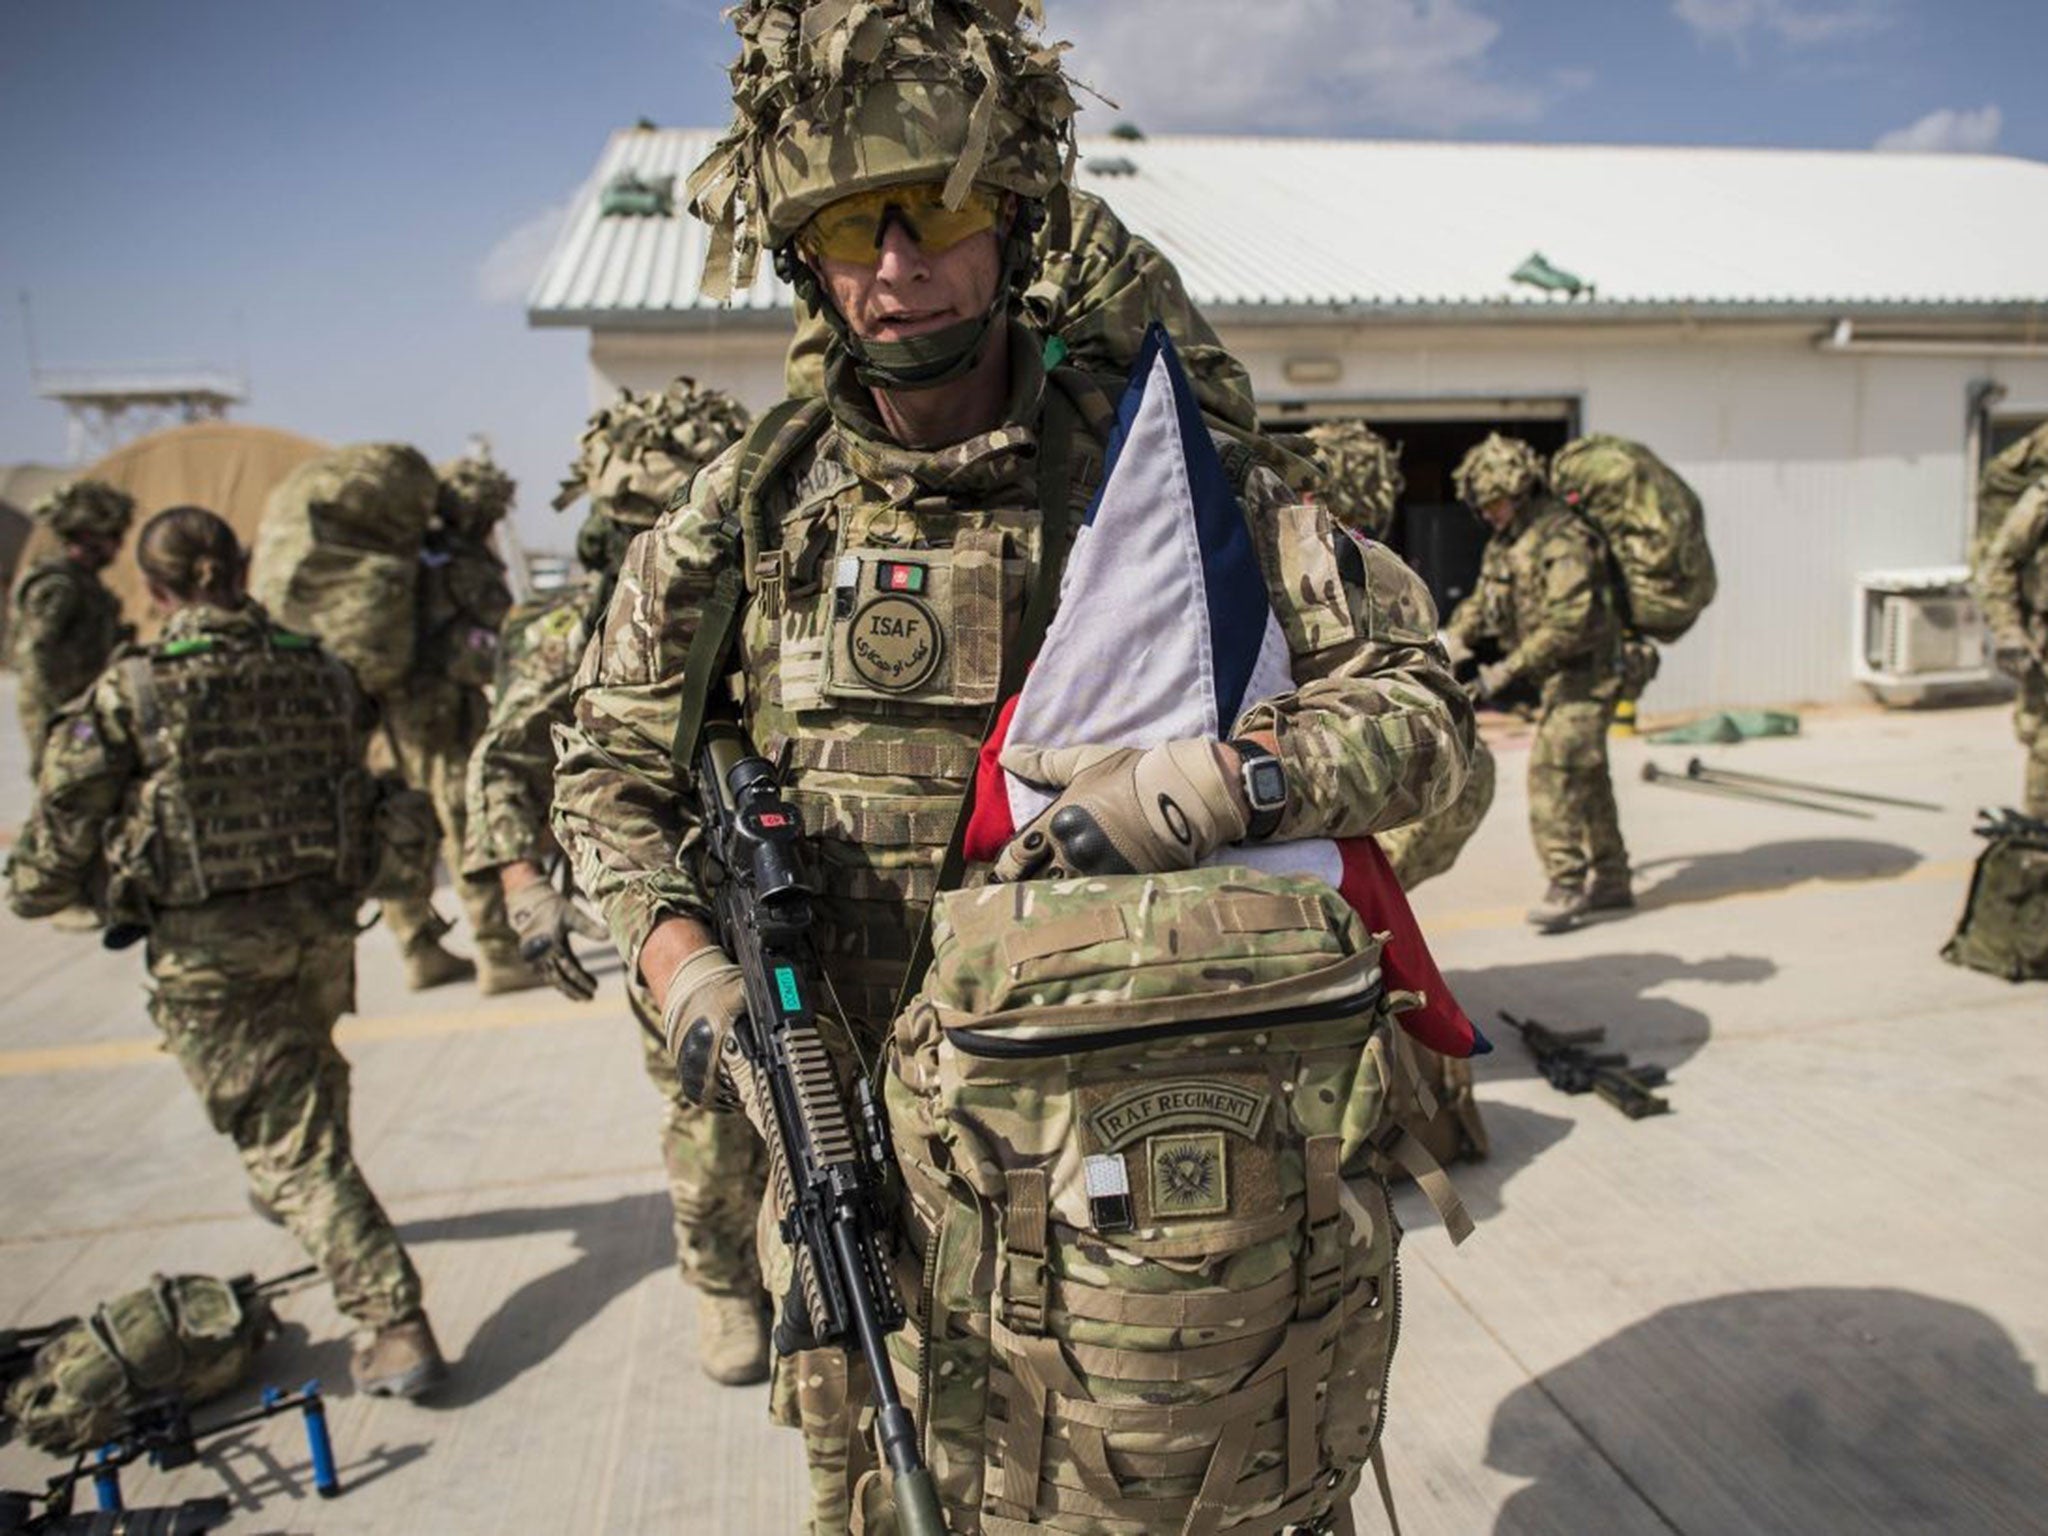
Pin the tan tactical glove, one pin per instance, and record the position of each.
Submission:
(1124, 810)
(705, 998)
(544, 918)
(1491, 682)
(1457, 650)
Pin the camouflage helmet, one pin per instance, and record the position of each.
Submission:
(1361, 479)
(637, 452)
(474, 492)
(1499, 469)
(83, 508)
(837, 97)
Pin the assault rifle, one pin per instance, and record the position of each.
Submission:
(1568, 1066)
(1995, 826)
(827, 1166)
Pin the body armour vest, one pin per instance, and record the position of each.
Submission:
(887, 596)
(252, 759)
(91, 632)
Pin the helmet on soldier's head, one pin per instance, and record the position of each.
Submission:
(831, 100)
(637, 453)
(474, 493)
(86, 508)
(1361, 475)
(1499, 469)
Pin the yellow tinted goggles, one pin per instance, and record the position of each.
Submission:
(852, 228)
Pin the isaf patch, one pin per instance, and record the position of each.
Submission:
(1188, 1175)
(894, 643)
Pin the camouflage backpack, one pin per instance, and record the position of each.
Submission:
(2004, 928)
(1143, 1124)
(191, 1337)
(1654, 526)
(2005, 480)
(338, 555)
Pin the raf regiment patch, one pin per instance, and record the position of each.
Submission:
(1205, 1103)
(1189, 1175)
(893, 642)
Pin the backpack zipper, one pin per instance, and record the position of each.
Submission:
(980, 1042)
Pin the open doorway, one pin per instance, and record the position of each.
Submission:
(1433, 531)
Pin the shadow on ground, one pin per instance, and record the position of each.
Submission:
(618, 1243)
(1688, 878)
(1790, 1411)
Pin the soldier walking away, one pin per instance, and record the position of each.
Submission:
(896, 160)
(1546, 600)
(2012, 585)
(213, 772)
(66, 624)
(433, 718)
(637, 452)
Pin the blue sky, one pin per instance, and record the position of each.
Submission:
(350, 198)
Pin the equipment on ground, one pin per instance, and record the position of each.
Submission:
(72, 1384)
(1652, 774)
(828, 1166)
(1566, 1063)
(2004, 927)
(1707, 774)
(162, 1433)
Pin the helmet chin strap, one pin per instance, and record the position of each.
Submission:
(919, 362)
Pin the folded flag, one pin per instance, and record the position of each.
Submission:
(1163, 633)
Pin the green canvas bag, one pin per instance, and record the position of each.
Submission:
(2004, 928)
(1144, 1124)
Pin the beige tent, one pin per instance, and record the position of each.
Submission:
(225, 467)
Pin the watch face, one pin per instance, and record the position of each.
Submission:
(1268, 785)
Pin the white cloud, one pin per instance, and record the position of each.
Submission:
(1950, 131)
(508, 270)
(1296, 65)
(1789, 21)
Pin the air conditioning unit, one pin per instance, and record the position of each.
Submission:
(1919, 633)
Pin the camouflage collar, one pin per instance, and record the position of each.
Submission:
(982, 462)
(195, 620)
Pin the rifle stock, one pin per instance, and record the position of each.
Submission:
(826, 1167)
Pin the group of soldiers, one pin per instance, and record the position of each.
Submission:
(965, 321)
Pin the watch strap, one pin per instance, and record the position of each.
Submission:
(1264, 819)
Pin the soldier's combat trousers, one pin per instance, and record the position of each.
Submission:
(821, 1392)
(2030, 724)
(1572, 816)
(1424, 849)
(717, 1174)
(247, 1001)
(431, 728)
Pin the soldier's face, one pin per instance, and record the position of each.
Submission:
(910, 291)
(1499, 512)
(95, 551)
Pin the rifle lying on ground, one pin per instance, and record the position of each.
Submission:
(1567, 1065)
(1994, 825)
(827, 1167)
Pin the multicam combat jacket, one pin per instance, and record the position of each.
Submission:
(871, 647)
(1546, 595)
(66, 625)
(512, 768)
(2012, 579)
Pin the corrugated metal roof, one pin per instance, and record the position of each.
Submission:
(1267, 224)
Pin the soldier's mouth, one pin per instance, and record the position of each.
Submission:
(919, 322)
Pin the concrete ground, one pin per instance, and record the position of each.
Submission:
(1808, 1300)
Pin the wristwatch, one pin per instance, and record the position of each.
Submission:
(1265, 788)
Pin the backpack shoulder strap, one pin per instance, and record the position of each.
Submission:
(770, 444)
(138, 671)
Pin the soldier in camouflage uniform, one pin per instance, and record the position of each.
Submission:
(1362, 485)
(638, 452)
(433, 719)
(893, 484)
(210, 773)
(66, 623)
(2012, 584)
(1546, 597)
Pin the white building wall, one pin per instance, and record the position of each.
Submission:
(1813, 467)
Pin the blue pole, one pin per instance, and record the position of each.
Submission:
(326, 1481)
(106, 1482)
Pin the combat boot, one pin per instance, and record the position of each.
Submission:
(1615, 895)
(78, 918)
(732, 1339)
(398, 1360)
(427, 965)
(1561, 908)
(500, 970)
